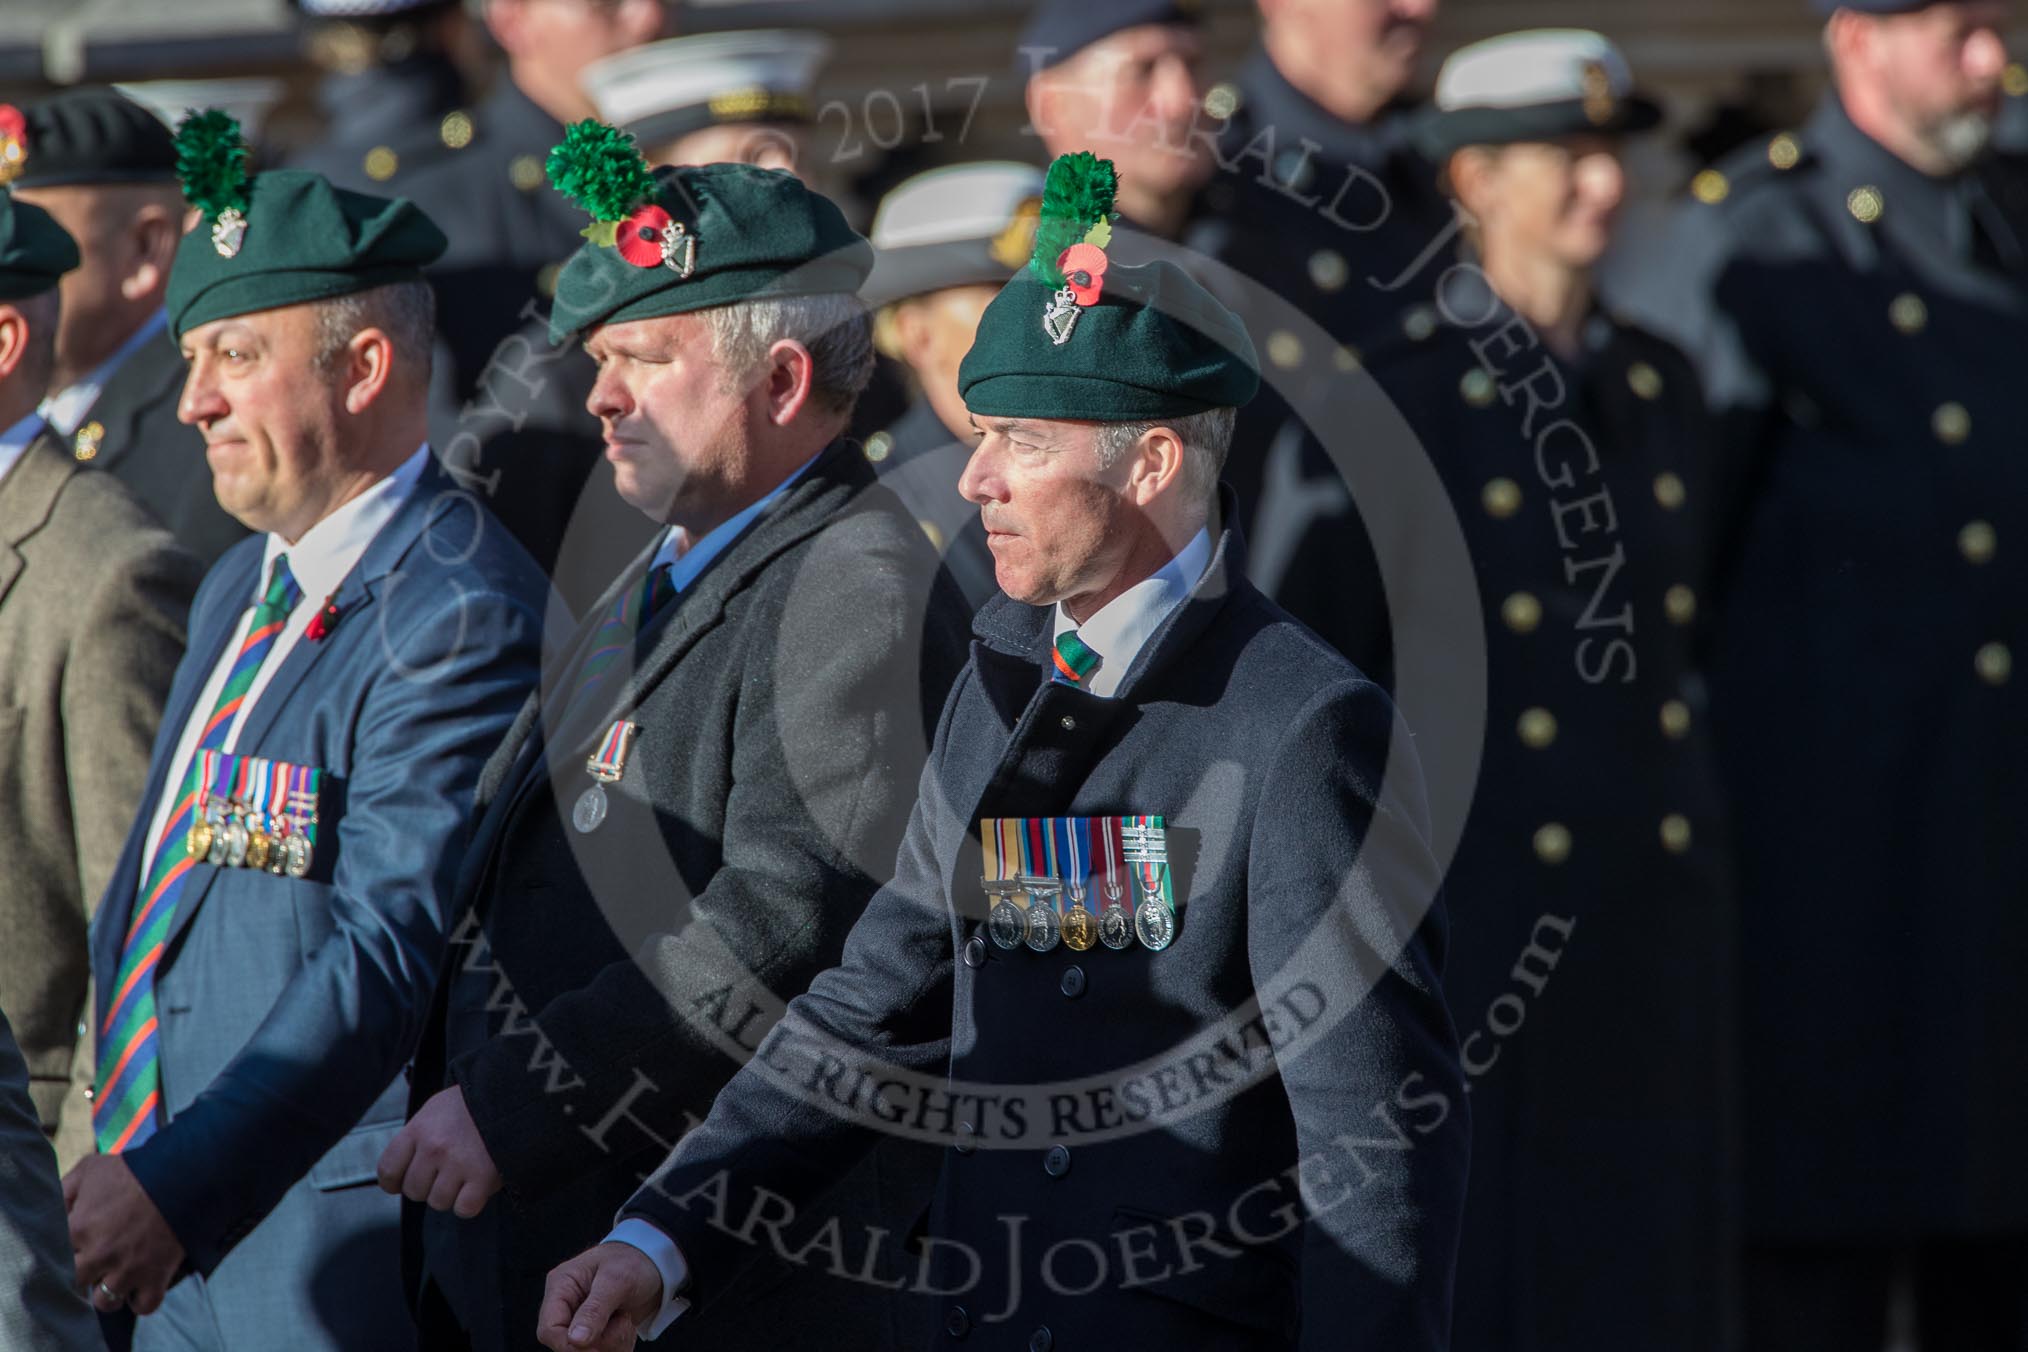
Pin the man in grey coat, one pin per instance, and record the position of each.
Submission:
(39, 1303)
(93, 599)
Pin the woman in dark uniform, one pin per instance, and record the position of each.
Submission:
(1590, 929)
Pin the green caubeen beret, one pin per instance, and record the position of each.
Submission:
(285, 237)
(1075, 335)
(34, 250)
(672, 240)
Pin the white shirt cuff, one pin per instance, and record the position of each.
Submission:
(668, 1261)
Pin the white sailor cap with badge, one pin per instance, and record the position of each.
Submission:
(961, 225)
(1541, 85)
(671, 88)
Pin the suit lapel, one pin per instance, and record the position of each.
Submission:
(28, 495)
(153, 371)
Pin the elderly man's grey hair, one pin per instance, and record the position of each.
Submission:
(835, 328)
(1206, 438)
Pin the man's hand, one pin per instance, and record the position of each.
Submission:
(600, 1299)
(440, 1158)
(126, 1252)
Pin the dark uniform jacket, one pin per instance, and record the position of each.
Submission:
(1333, 233)
(1592, 929)
(1860, 328)
(132, 431)
(1128, 1125)
(920, 462)
(385, 124)
(613, 980)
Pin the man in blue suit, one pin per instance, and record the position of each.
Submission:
(266, 950)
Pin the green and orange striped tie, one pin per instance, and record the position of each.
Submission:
(1074, 661)
(127, 1107)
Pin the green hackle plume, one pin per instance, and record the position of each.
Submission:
(601, 169)
(211, 162)
(1077, 195)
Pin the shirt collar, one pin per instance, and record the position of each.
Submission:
(1124, 624)
(333, 547)
(15, 440)
(66, 409)
(1930, 207)
(687, 561)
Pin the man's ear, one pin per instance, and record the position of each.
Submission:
(14, 334)
(789, 380)
(152, 237)
(1155, 465)
(369, 368)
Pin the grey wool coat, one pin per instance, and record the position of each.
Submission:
(94, 597)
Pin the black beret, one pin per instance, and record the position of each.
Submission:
(93, 135)
(1060, 29)
(34, 250)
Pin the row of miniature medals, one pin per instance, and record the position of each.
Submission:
(255, 813)
(1077, 880)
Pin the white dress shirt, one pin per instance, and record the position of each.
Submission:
(319, 562)
(1123, 625)
(1117, 633)
(66, 409)
(15, 440)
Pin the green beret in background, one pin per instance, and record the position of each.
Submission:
(1075, 335)
(675, 240)
(281, 238)
(34, 250)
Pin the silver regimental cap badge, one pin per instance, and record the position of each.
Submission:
(1061, 316)
(679, 249)
(228, 232)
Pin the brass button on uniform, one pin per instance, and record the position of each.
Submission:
(455, 131)
(525, 172)
(1329, 270)
(1679, 603)
(1420, 323)
(1537, 727)
(1908, 314)
(1865, 203)
(1552, 843)
(2014, 79)
(1783, 151)
(1977, 541)
(1994, 663)
(1501, 498)
(85, 446)
(1675, 719)
(1675, 833)
(1669, 491)
(1522, 612)
(545, 279)
(381, 162)
(1346, 359)
(1710, 187)
(1285, 350)
(1952, 423)
(1476, 387)
(1222, 99)
(1644, 380)
(878, 446)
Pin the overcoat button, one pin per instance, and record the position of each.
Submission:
(957, 1323)
(975, 952)
(1069, 723)
(1041, 1340)
(1057, 1162)
(1073, 982)
(966, 1141)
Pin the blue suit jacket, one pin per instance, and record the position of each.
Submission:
(289, 1006)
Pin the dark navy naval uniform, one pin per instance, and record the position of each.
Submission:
(1591, 908)
(920, 462)
(1345, 222)
(1860, 326)
(387, 123)
(508, 232)
(1287, 811)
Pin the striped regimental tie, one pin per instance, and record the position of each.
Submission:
(1074, 661)
(127, 1107)
(618, 630)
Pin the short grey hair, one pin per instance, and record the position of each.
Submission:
(405, 311)
(835, 328)
(1206, 438)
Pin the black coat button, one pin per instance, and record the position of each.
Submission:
(1057, 1162)
(965, 1143)
(957, 1323)
(1072, 984)
(1041, 1340)
(975, 952)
